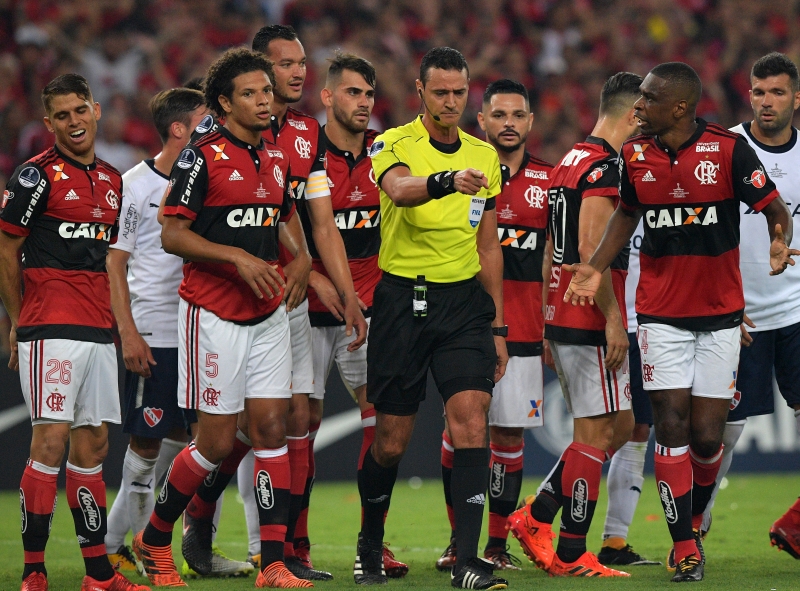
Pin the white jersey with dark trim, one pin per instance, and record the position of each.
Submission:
(153, 275)
(770, 302)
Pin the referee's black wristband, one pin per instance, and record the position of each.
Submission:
(441, 184)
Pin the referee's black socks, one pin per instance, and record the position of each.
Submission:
(470, 479)
(376, 484)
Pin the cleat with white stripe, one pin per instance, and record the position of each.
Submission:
(477, 574)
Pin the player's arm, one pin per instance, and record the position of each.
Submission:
(490, 255)
(334, 256)
(406, 190)
(292, 237)
(135, 351)
(779, 224)
(11, 287)
(594, 216)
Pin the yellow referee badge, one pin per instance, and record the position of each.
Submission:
(476, 210)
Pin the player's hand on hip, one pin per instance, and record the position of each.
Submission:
(469, 181)
(617, 344)
(780, 255)
(13, 360)
(327, 294)
(502, 358)
(354, 319)
(262, 277)
(583, 285)
(297, 273)
(745, 338)
(137, 355)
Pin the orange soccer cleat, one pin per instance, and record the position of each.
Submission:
(535, 537)
(158, 563)
(586, 566)
(277, 576)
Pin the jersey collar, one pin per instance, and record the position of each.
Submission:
(239, 143)
(505, 170)
(701, 129)
(74, 162)
(151, 162)
(598, 141)
(771, 149)
(351, 158)
(439, 146)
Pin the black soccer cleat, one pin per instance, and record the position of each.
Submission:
(368, 568)
(625, 557)
(688, 570)
(477, 574)
(196, 545)
(301, 571)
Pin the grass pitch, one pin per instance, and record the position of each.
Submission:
(738, 550)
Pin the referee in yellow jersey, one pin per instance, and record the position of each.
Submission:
(439, 305)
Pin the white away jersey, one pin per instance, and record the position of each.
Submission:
(632, 280)
(770, 302)
(153, 275)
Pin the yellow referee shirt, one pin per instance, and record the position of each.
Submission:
(436, 239)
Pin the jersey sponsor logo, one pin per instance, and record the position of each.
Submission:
(355, 219)
(34, 198)
(55, 402)
(573, 157)
(254, 216)
(264, 494)
(211, 396)
(7, 196)
(276, 172)
(376, 148)
(212, 477)
(498, 479)
(60, 174)
(668, 502)
(706, 172)
(303, 147)
(23, 511)
(275, 154)
(679, 193)
(186, 159)
(506, 213)
(301, 125)
(758, 179)
(580, 499)
(112, 199)
(681, 216)
(205, 124)
(29, 177)
(735, 400)
(596, 174)
(103, 177)
(89, 508)
(219, 152)
(536, 174)
(71, 195)
(536, 405)
(192, 176)
(152, 416)
(235, 176)
(535, 196)
(648, 177)
(92, 230)
(733, 383)
(638, 152)
(522, 239)
(707, 147)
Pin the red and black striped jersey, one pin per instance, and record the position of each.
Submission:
(235, 194)
(357, 212)
(522, 230)
(69, 213)
(590, 169)
(690, 200)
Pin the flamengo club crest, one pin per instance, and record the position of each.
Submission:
(706, 172)
(535, 196)
(55, 401)
(303, 147)
(211, 396)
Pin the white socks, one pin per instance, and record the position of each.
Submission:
(730, 436)
(244, 477)
(134, 503)
(625, 480)
(169, 450)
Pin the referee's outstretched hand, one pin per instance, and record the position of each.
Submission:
(469, 181)
(262, 277)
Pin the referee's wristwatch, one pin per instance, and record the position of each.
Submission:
(500, 331)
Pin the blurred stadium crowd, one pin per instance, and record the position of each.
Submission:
(561, 50)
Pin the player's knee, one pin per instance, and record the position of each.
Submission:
(48, 448)
(314, 410)
(145, 447)
(388, 451)
(705, 446)
(672, 430)
(268, 434)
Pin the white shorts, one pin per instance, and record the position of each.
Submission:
(517, 400)
(221, 363)
(302, 356)
(330, 344)
(70, 381)
(589, 389)
(675, 358)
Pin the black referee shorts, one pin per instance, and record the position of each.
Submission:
(454, 340)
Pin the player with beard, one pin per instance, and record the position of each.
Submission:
(690, 339)
(349, 96)
(517, 399)
(774, 336)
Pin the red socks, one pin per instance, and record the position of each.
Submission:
(272, 482)
(37, 497)
(673, 469)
